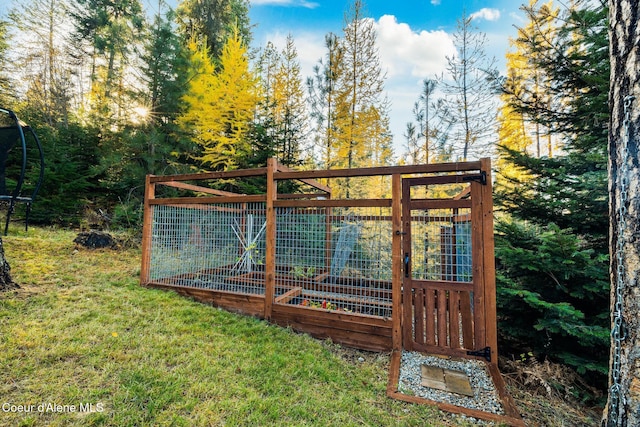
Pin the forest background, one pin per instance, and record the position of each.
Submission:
(115, 93)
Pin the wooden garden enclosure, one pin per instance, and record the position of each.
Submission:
(412, 269)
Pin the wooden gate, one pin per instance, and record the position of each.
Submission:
(449, 273)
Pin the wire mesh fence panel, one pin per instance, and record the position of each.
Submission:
(441, 245)
(213, 246)
(335, 258)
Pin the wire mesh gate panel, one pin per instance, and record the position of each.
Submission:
(445, 282)
(441, 291)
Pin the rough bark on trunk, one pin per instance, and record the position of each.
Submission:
(623, 406)
(6, 283)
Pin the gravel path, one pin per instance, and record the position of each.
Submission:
(485, 394)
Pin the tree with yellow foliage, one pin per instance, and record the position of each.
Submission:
(362, 123)
(221, 104)
(513, 132)
(283, 109)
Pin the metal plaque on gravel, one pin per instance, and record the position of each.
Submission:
(449, 380)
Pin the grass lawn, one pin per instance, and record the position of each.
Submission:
(81, 331)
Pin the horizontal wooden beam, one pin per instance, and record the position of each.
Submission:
(184, 186)
(209, 175)
(333, 203)
(440, 204)
(207, 200)
(381, 170)
(301, 196)
(311, 182)
(458, 178)
(446, 285)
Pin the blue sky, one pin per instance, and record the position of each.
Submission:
(414, 37)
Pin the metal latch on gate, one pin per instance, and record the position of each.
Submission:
(485, 352)
(481, 178)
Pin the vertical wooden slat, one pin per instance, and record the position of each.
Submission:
(454, 318)
(477, 256)
(328, 250)
(270, 256)
(418, 304)
(467, 321)
(489, 263)
(147, 229)
(442, 318)
(431, 323)
(396, 257)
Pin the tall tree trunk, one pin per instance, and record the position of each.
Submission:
(623, 406)
(6, 283)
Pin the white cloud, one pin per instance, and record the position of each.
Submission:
(435, 2)
(309, 45)
(404, 51)
(406, 55)
(487, 14)
(288, 3)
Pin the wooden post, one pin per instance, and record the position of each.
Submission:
(147, 230)
(407, 297)
(478, 261)
(396, 257)
(489, 262)
(328, 250)
(270, 261)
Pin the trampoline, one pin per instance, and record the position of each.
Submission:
(21, 164)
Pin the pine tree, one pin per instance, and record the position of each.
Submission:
(214, 21)
(6, 91)
(363, 137)
(469, 94)
(109, 29)
(283, 112)
(151, 143)
(41, 60)
(558, 206)
(290, 105)
(322, 96)
(433, 127)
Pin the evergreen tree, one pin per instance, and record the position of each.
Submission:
(433, 126)
(6, 90)
(214, 21)
(322, 98)
(72, 181)
(558, 205)
(151, 142)
(469, 94)
(361, 121)
(290, 105)
(283, 112)
(110, 30)
(41, 60)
